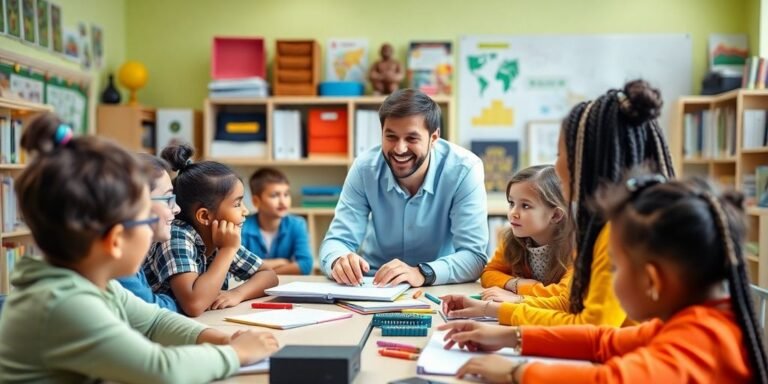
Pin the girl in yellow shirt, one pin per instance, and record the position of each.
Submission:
(536, 251)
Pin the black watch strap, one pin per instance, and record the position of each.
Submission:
(428, 273)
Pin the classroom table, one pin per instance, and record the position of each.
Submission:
(374, 368)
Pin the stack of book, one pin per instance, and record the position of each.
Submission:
(245, 87)
(320, 196)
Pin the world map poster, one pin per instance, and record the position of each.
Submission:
(505, 82)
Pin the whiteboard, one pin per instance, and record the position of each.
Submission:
(507, 81)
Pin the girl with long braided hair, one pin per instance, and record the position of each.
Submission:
(600, 141)
(677, 251)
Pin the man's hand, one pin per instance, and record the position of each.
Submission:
(349, 269)
(396, 272)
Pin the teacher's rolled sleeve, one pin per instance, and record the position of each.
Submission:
(443, 224)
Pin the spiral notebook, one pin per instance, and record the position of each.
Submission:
(288, 318)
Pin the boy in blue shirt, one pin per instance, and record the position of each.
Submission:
(279, 238)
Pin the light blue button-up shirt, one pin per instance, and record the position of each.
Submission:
(444, 224)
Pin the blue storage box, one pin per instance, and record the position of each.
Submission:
(341, 88)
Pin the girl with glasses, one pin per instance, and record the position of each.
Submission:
(165, 208)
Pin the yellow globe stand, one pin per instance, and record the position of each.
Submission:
(132, 75)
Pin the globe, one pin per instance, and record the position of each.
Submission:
(132, 75)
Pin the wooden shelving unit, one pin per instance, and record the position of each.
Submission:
(24, 111)
(724, 168)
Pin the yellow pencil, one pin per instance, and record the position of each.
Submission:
(417, 311)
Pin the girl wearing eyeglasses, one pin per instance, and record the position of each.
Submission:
(165, 208)
(87, 204)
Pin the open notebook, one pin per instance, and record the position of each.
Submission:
(331, 291)
(435, 360)
(288, 318)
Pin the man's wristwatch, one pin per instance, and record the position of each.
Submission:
(428, 273)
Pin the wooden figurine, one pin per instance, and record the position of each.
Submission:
(386, 73)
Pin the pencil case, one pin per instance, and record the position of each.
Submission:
(404, 330)
(413, 319)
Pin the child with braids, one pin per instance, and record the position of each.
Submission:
(194, 266)
(676, 248)
(600, 141)
(87, 204)
(537, 250)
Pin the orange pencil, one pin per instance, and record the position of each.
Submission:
(417, 294)
(398, 354)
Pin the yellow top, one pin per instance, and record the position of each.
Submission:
(601, 307)
(496, 274)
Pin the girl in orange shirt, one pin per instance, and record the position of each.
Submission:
(676, 248)
(537, 248)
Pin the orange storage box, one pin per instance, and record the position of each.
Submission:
(327, 131)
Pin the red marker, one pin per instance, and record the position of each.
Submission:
(398, 354)
(262, 305)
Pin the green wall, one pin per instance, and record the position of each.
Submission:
(109, 14)
(173, 37)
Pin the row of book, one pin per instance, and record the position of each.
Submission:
(12, 253)
(367, 130)
(10, 141)
(11, 217)
(712, 133)
(320, 196)
(754, 75)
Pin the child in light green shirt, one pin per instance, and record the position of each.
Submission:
(87, 204)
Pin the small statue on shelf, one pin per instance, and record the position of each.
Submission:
(386, 73)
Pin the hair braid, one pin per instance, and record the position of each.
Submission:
(740, 294)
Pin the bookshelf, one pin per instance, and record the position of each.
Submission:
(309, 169)
(13, 237)
(712, 136)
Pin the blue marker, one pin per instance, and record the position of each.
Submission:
(432, 298)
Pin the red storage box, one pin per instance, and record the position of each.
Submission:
(327, 146)
(328, 131)
(328, 122)
(238, 57)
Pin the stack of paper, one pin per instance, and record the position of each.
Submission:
(436, 360)
(288, 318)
(368, 307)
(330, 292)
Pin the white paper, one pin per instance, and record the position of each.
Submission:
(258, 367)
(288, 318)
(332, 290)
(435, 360)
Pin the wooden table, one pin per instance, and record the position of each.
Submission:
(374, 368)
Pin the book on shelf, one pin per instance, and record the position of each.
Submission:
(10, 140)
(11, 218)
(367, 130)
(755, 131)
(761, 185)
(287, 137)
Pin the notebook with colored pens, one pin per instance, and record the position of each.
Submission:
(288, 318)
(369, 307)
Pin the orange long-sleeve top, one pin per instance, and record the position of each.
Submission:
(699, 344)
(498, 272)
(601, 307)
